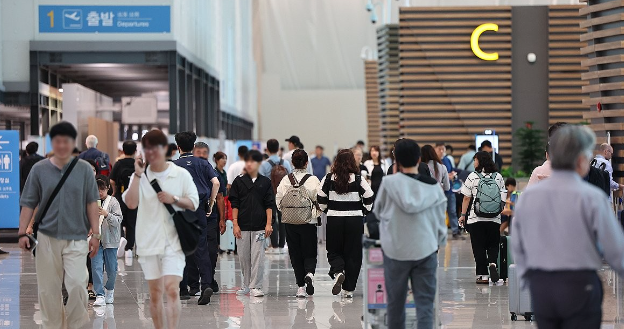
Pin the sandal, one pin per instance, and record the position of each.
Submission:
(92, 295)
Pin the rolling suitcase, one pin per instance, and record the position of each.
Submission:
(519, 297)
(505, 259)
(228, 242)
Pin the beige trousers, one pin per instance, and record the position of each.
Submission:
(57, 259)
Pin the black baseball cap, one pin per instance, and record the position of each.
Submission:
(295, 140)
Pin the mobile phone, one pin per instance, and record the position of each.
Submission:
(99, 202)
(260, 237)
(33, 242)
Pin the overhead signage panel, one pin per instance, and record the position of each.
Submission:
(104, 19)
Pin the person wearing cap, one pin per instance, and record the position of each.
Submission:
(294, 143)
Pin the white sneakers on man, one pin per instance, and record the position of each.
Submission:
(301, 293)
(122, 246)
(256, 292)
(347, 294)
(309, 281)
(99, 301)
(110, 296)
(338, 280)
(128, 258)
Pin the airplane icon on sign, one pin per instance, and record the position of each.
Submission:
(74, 16)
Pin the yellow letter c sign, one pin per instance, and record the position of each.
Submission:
(474, 42)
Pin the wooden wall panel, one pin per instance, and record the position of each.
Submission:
(564, 70)
(373, 118)
(388, 52)
(447, 93)
(604, 33)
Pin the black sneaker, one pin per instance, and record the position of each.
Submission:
(204, 299)
(2, 252)
(338, 280)
(195, 292)
(215, 286)
(309, 284)
(494, 273)
(184, 295)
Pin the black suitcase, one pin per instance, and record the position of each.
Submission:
(503, 258)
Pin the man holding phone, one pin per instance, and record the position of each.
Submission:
(65, 192)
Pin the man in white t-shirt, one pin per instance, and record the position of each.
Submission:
(236, 169)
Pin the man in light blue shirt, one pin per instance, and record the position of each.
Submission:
(604, 157)
(562, 230)
(466, 162)
(266, 166)
(278, 238)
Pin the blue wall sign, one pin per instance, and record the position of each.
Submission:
(104, 19)
(9, 179)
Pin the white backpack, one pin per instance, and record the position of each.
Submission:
(297, 207)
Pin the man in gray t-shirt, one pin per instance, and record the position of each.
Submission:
(63, 230)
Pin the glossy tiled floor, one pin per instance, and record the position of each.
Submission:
(463, 304)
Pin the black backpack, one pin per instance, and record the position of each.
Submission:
(599, 177)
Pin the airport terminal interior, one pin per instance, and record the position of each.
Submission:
(248, 85)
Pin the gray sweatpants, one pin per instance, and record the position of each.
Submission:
(251, 257)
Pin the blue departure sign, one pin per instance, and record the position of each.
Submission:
(9, 179)
(104, 19)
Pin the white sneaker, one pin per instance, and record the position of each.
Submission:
(301, 293)
(110, 296)
(99, 301)
(347, 294)
(122, 246)
(256, 292)
(128, 258)
(309, 281)
(242, 291)
(338, 280)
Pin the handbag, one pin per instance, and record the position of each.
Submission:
(186, 224)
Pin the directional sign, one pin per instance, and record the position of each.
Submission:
(104, 19)
(9, 179)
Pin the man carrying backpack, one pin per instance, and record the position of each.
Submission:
(102, 160)
(602, 161)
(484, 195)
(276, 169)
(120, 181)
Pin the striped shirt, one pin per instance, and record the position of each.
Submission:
(349, 204)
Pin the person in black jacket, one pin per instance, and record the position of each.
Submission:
(252, 201)
(28, 161)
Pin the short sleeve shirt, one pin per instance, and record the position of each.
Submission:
(469, 189)
(66, 218)
(201, 171)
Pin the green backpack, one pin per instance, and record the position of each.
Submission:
(488, 202)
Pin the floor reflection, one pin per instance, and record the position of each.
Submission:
(462, 303)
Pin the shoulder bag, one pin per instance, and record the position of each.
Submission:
(186, 223)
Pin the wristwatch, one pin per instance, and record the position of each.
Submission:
(97, 236)
(176, 199)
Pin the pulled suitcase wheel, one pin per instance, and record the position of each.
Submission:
(514, 317)
(528, 317)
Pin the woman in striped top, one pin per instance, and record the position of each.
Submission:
(344, 197)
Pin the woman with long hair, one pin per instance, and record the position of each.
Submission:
(226, 238)
(437, 169)
(484, 232)
(301, 238)
(376, 168)
(158, 246)
(345, 196)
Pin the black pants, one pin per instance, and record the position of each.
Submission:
(302, 248)
(129, 222)
(198, 265)
(213, 243)
(278, 237)
(344, 248)
(485, 239)
(566, 299)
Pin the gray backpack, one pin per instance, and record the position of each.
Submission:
(296, 204)
(488, 202)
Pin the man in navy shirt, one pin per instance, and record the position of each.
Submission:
(199, 267)
(216, 225)
(320, 163)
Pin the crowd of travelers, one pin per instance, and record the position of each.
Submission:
(168, 205)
